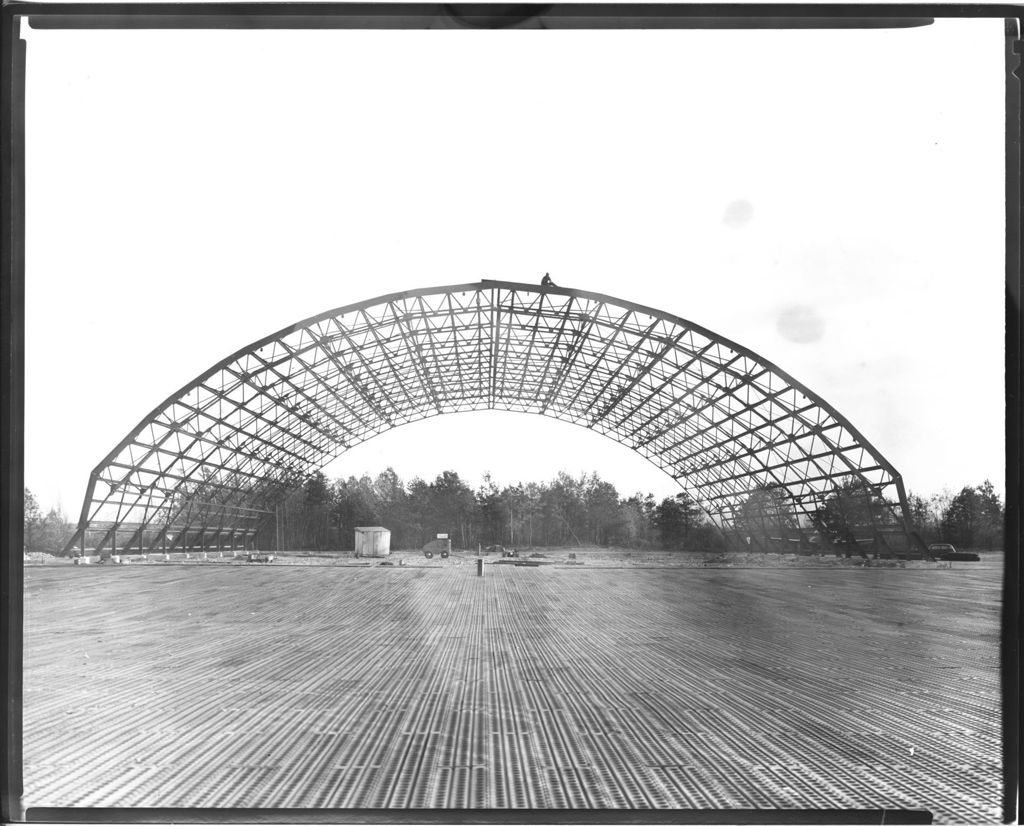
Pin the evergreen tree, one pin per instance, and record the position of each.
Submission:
(974, 518)
(453, 508)
(603, 518)
(494, 513)
(850, 509)
(45, 534)
(32, 520)
(675, 519)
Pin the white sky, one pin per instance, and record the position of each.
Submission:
(190, 192)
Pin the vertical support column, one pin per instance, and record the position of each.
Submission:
(912, 537)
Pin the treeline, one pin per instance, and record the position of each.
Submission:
(970, 518)
(584, 510)
(45, 533)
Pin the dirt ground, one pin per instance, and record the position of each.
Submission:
(556, 686)
(595, 557)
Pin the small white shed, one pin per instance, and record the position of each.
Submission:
(373, 541)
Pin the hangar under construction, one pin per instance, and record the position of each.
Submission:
(773, 464)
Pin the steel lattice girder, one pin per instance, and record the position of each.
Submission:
(215, 458)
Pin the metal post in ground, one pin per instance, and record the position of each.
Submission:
(479, 567)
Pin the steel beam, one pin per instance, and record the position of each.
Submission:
(581, 357)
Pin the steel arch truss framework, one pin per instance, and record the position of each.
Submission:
(208, 466)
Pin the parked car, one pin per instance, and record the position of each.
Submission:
(945, 551)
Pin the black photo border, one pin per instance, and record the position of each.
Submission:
(305, 15)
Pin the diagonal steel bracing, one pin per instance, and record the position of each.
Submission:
(215, 457)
